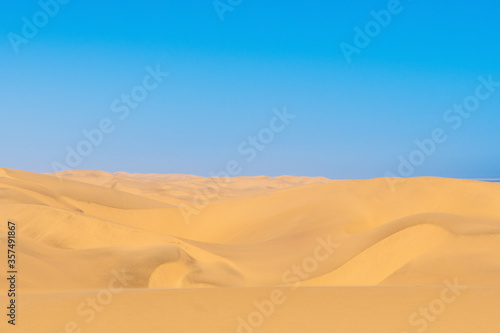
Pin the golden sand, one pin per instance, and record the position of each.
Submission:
(101, 252)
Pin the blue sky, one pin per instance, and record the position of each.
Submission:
(353, 119)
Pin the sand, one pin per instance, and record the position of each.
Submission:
(101, 252)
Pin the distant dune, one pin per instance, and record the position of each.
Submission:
(202, 254)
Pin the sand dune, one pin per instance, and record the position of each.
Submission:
(249, 236)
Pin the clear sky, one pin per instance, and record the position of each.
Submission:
(357, 113)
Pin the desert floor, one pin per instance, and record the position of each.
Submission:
(101, 252)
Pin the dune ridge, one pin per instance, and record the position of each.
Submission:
(78, 215)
